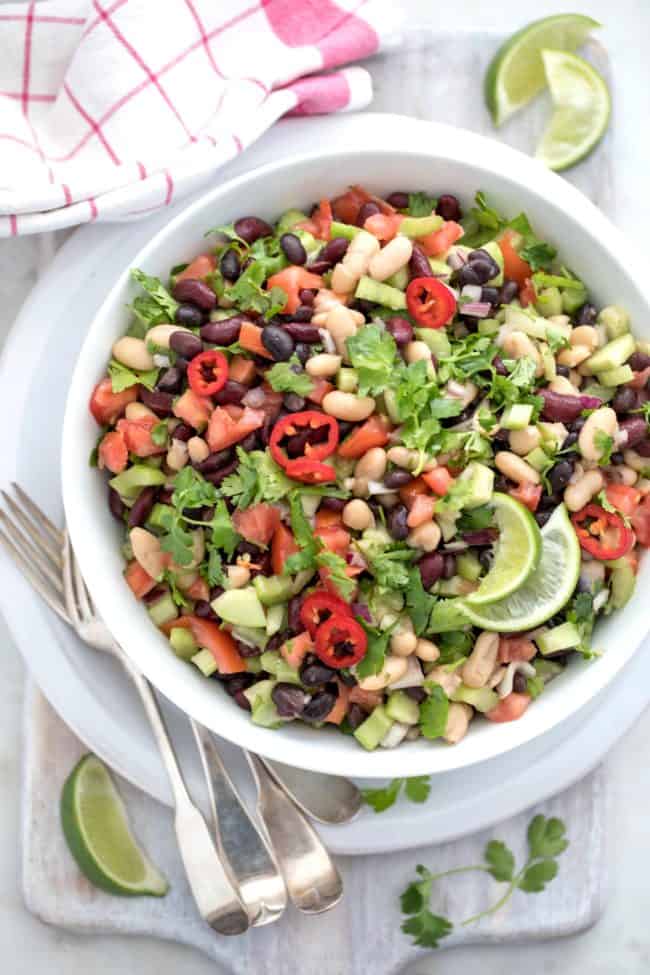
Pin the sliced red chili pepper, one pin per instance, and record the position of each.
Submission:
(307, 421)
(340, 642)
(207, 372)
(310, 471)
(319, 607)
(430, 302)
(602, 533)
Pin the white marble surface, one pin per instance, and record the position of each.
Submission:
(620, 943)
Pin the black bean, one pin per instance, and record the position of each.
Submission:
(196, 291)
(295, 445)
(293, 614)
(242, 701)
(419, 266)
(334, 250)
(397, 522)
(191, 316)
(569, 441)
(142, 507)
(302, 351)
(251, 229)
(315, 674)
(333, 504)
(449, 568)
(303, 331)
(186, 344)
(115, 504)
(230, 265)
(541, 517)
(216, 461)
(181, 364)
(499, 365)
(617, 458)
(490, 295)
(224, 332)
(356, 716)
(397, 478)
(416, 694)
(643, 448)
(638, 361)
(170, 381)
(624, 400)
(508, 292)
(320, 705)
(216, 477)
(400, 328)
(306, 296)
(519, 684)
(501, 484)
(398, 200)
(467, 275)
(483, 270)
(289, 700)
(231, 392)
(635, 429)
(560, 474)
(293, 250)
(161, 403)
(485, 557)
(278, 342)
(587, 315)
(562, 371)
(577, 424)
(238, 682)
(366, 210)
(431, 568)
(448, 207)
(301, 315)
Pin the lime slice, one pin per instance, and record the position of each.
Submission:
(547, 589)
(97, 831)
(516, 73)
(582, 107)
(517, 551)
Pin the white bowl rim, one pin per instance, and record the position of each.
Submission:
(323, 752)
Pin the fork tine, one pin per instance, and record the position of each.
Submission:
(35, 532)
(33, 578)
(39, 515)
(68, 584)
(39, 559)
(80, 588)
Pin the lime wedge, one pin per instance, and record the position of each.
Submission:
(582, 108)
(97, 831)
(516, 73)
(547, 589)
(517, 551)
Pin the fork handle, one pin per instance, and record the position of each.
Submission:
(215, 893)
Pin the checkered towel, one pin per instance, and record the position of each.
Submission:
(110, 110)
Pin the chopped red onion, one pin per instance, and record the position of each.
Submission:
(359, 609)
(328, 342)
(476, 309)
(484, 536)
(254, 398)
(455, 260)
(472, 292)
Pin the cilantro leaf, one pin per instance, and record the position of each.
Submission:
(248, 294)
(500, 861)
(191, 490)
(482, 224)
(419, 602)
(522, 372)
(537, 876)
(159, 434)
(538, 254)
(389, 567)
(336, 574)
(123, 378)
(214, 573)
(417, 788)
(476, 519)
(447, 615)
(605, 444)
(307, 542)
(257, 478)
(434, 712)
(224, 535)
(179, 542)
(373, 352)
(375, 655)
(541, 280)
(426, 929)
(546, 837)
(289, 377)
(157, 305)
(382, 799)
(421, 204)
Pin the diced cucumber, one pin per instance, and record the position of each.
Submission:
(468, 566)
(347, 380)
(205, 662)
(241, 607)
(127, 550)
(616, 377)
(548, 361)
(390, 403)
(601, 392)
(488, 326)
(551, 435)
(537, 458)
(440, 268)
(546, 669)
(164, 610)
(273, 589)
(612, 355)
(161, 516)
(420, 226)
(253, 665)
(481, 698)
(183, 643)
(346, 230)
(524, 321)
(274, 663)
(456, 586)
(517, 416)
(251, 636)
(130, 482)
(495, 252)
(381, 294)
(437, 340)
(275, 618)
(289, 219)
(616, 321)
(263, 710)
(400, 279)
(309, 504)
(562, 637)
(549, 302)
(373, 729)
(481, 484)
(400, 707)
(622, 582)
(573, 298)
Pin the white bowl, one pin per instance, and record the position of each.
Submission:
(440, 159)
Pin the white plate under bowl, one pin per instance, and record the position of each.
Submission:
(90, 692)
(433, 157)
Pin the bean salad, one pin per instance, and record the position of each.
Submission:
(321, 433)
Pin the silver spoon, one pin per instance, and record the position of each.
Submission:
(328, 799)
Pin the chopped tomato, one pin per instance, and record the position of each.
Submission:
(296, 649)
(421, 510)
(368, 700)
(410, 491)
(515, 648)
(625, 499)
(192, 409)
(383, 226)
(198, 590)
(242, 370)
(346, 207)
(514, 267)
(250, 338)
(439, 480)
(510, 708)
(326, 518)
(282, 546)
(257, 524)
(373, 433)
(640, 379)
(334, 538)
(340, 709)
(320, 390)
(199, 268)
(113, 453)
(220, 644)
(441, 240)
(225, 429)
(107, 406)
(137, 436)
(527, 494)
(641, 522)
(527, 294)
(320, 222)
(292, 280)
(139, 581)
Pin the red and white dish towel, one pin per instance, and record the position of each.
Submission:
(110, 110)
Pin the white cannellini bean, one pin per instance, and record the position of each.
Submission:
(391, 258)
(449, 681)
(523, 441)
(354, 265)
(133, 353)
(372, 465)
(403, 457)
(574, 355)
(341, 324)
(323, 364)
(602, 421)
(515, 468)
(517, 344)
(426, 537)
(238, 576)
(147, 552)
(198, 450)
(417, 351)
(480, 663)
(458, 720)
(177, 455)
(623, 475)
(394, 668)
(577, 495)
(347, 406)
(427, 650)
(136, 411)
(585, 335)
(465, 392)
(403, 641)
(161, 334)
(357, 515)
(562, 385)
(634, 460)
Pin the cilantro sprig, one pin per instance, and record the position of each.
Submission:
(546, 842)
(417, 789)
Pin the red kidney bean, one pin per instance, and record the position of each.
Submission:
(203, 609)
(293, 614)
(625, 400)
(185, 344)
(418, 694)
(189, 315)
(293, 249)
(141, 510)
(196, 291)
(170, 381)
(230, 265)
(313, 673)
(242, 701)
(448, 207)
(400, 328)
(366, 210)
(289, 699)
(302, 314)
(251, 229)
(398, 200)
(249, 443)
(321, 704)
(356, 716)
(115, 504)
(397, 478)
(483, 536)
(334, 251)
(449, 568)
(216, 477)
(306, 296)
(224, 332)
(431, 568)
(214, 462)
(184, 432)
(303, 331)
(236, 683)
(635, 429)
(397, 522)
(160, 402)
(333, 504)
(559, 408)
(419, 266)
(181, 364)
(509, 291)
(643, 448)
(165, 495)
(638, 361)
(498, 364)
(278, 342)
(293, 403)
(320, 267)
(519, 681)
(255, 398)
(233, 392)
